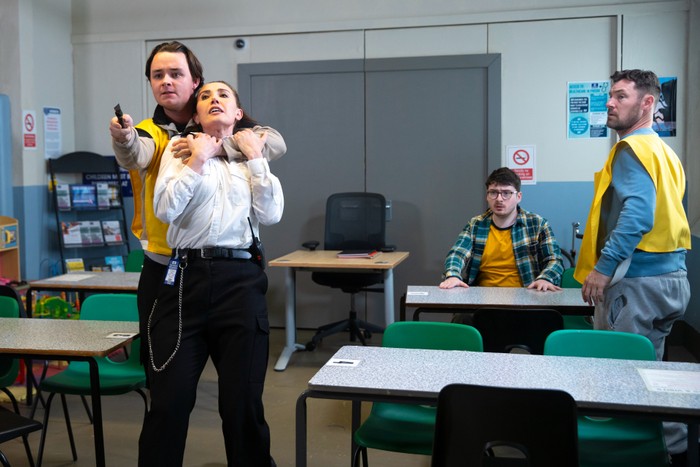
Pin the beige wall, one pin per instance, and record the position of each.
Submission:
(544, 46)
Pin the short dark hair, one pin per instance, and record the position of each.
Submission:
(645, 81)
(193, 63)
(504, 176)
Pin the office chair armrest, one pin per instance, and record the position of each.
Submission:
(388, 248)
(311, 245)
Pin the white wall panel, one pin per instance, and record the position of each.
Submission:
(426, 42)
(657, 43)
(106, 74)
(538, 59)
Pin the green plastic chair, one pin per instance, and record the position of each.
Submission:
(9, 370)
(403, 427)
(134, 262)
(574, 322)
(611, 442)
(116, 377)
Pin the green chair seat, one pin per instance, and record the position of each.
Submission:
(403, 427)
(399, 428)
(115, 379)
(617, 442)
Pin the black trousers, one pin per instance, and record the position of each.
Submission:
(152, 275)
(224, 316)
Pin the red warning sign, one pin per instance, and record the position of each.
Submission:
(521, 160)
(29, 130)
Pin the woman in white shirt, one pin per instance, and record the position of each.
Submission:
(212, 300)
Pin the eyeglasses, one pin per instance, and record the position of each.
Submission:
(493, 194)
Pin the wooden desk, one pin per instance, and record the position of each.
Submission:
(68, 340)
(303, 260)
(566, 301)
(600, 386)
(83, 282)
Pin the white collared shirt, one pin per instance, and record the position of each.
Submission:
(212, 209)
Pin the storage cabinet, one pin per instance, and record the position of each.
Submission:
(90, 217)
(9, 249)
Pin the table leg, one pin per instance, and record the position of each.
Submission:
(388, 297)
(355, 425)
(97, 413)
(692, 452)
(290, 324)
(301, 424)
(28, 362)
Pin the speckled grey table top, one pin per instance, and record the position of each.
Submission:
(63, 337)
(476, 297)
(595, 383)
(88, 280)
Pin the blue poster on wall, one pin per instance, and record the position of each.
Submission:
(665, 115)
(585, 109)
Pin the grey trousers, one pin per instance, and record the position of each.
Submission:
(648, 306)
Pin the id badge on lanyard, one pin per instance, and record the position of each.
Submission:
(171, 274)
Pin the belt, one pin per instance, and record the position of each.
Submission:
(214, 252)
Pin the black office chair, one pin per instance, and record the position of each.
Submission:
(504, 427)
(354, 221)
(506, 329)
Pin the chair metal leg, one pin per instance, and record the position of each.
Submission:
(145, 402)
(69, 427)
(3, 460)
(42, 441)
(87, 409)
(28, 449)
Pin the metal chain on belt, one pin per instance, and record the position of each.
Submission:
(179, 325)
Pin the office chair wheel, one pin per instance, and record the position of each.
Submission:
(311, 346)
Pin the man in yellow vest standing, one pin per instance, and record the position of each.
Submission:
(632, 259)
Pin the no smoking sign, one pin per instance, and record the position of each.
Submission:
(29, 130)
(521, 160)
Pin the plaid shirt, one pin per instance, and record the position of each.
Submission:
(537, 254)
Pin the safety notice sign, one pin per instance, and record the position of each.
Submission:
(521, 160)
(29, 130)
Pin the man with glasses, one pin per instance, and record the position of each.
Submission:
(506, 246)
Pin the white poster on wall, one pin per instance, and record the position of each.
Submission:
(521, 160)
(52, 132)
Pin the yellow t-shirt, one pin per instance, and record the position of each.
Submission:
(497, 268)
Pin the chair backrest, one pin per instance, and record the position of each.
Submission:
(355, 221)
(110, 307)
(7, 291)
(487, 426)
(134, 262)
(8, 308)
(114, 307)
(599, 344)
(568, 281)
(432, 335)
(9, 367)
(506, 328)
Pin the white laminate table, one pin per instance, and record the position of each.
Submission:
(69, 340)
(327, 260)
(433, 299)
(600, 386)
